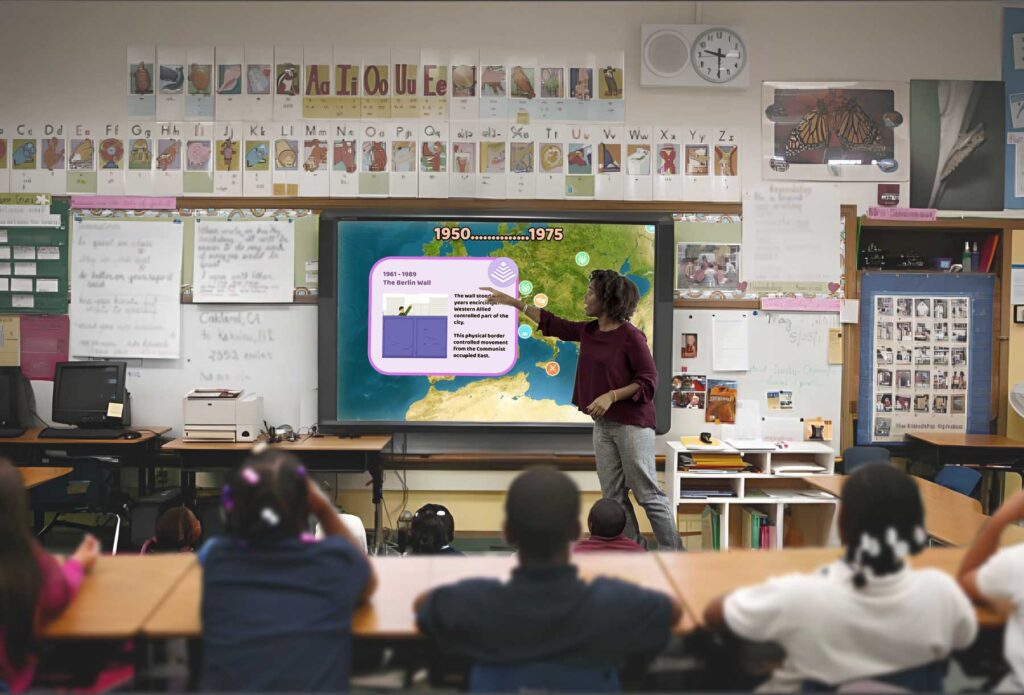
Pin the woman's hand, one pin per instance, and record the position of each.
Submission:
(601, 405)
(319, 505)
(501, 298)
(87, 552)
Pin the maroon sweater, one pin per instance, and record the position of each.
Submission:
(601, 544)
(609, 360)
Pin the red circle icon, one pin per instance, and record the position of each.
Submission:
(552, 368)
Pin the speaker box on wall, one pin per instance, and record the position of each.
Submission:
(693, 55)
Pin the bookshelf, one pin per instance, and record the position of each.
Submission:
(775, 487)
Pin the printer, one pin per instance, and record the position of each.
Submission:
(222, 415)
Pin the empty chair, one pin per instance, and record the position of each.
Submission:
(856, 456)
(84, 490)
(960, 479)
(354, 525)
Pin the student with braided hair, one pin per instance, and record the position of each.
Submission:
(867, 616)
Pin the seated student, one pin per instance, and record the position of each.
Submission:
(433, 529)
(545, 614)
(35, 587)
(866, 616)
(277, 604)
(177, 531)
(991, 575)
(606, 521)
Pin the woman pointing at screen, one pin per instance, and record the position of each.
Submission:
(615, 384)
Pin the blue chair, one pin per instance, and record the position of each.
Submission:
(920, 679)
(959, 479)
(856, 456)
(84, 490)
(542, 676)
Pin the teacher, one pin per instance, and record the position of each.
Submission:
(615, 384)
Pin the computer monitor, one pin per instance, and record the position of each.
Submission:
(16, 401)
(83, 392)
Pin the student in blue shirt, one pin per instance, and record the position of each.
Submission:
(277, 605)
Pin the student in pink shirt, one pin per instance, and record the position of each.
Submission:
(606, 521)
(35, 587)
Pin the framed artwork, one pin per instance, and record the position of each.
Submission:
(835, 131)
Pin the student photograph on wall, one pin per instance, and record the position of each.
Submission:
(957, 144)
(884, 331)
(883, 306)
(689, 349)
(883, 355)
(883, 402)
(940, 356)
(958, 308)
(708, 266)
(921, 403)
(885, 377)
(902, 404)
(903, 379)
(695, 382)
(882, 427)
(904, 356)
(694, 400)
(904, 307)
(904, 331)
(922, 355)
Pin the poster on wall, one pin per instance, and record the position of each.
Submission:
(1013, 109)
(921, 355)
(835, 131)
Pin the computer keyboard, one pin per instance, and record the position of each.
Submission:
(11, 432)
(78, 433)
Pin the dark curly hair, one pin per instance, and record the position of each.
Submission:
(617, 293)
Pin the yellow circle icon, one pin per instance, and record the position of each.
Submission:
(540, 301)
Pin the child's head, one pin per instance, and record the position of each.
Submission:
(881, 520)
(607, 519)
(19, 571)
(267, 498)
(542, 511)
(177, 529)
(432, 529)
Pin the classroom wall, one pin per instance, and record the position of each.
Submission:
(65, 60)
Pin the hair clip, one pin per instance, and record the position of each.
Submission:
(870, 545)
(270, 517)
(250, 476)
(899, 547)
(301, 470)
(225, 498)
(439, 512)
(920, 536)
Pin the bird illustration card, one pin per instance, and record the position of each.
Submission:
(259, 82)
(347, 83)
(81, 158)
(433, 160)
(580, 88)
(609, 103)
(376, 71)
(462, 182)
(317, 79)
(523, 89)
(638, 178)
(168, 160)
(668, 163)
(374, 165)
(465, 85)
(141, 81)
(610, 149)
(522, 161)
(257, 151)
(493, 160)
(170, 83)
(315, 170)
(405, 85)
(45, 170)
(139, 145)
(111, 159)
(725, 173)
(580, 151)
(553, 84)
(286, 157)
(551, 165)
(227, 158)
(287, 82)
(199, 100)
(698, 150)
(403, 159)
(228, 85)
(344, 159)
(5, 165)
(493, 87)
(435, 84)
(197, 140)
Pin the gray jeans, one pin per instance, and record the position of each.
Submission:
(625, 461)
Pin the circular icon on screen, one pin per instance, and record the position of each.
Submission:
(525, 331)
(525, 287)
(582, 258)
(552, 368)
(540, 301)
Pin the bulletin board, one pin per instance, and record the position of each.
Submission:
(36, 259)
(978, 290)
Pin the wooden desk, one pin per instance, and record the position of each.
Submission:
(389, 613)
(699, 578)
(988, 452)
(34, 476)
(327, 453)
(949, 517)
(119, 595)
(139, 453)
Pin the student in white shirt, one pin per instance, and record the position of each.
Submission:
(866, 616)
(994, 577)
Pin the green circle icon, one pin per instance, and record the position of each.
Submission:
(582, 258)
(525, 287)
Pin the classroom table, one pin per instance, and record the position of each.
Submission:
(389, 613)
(119, 595)
(699, 578)
(990, 453)
(327, 453)
(33, 476)
(949, 517)
(141, 453)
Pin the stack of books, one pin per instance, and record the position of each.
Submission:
(716, 462)
(758, 531)
(710, 528)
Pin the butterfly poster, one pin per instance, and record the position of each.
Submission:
(842, 131)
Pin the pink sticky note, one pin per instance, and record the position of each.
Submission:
(44, 343)
(122, 202)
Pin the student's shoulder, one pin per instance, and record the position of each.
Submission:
(608, 591)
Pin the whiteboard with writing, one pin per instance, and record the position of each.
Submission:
(125, 288)
(788, 352)
(243, 261)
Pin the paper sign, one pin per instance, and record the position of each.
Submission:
(1017, 283)
(28, 216)
(1017, 110)
(3, 236)
(5, 252)
(849, 311)
(122, 202)
(44, 343)
(24, 253)
(20, 285)
(115, 409)
(800, 304)
(47, 253)
(1015, 138)
(5, 285)
(23, 301)
(835, 346)
(24, 268)
(47, 285)
(730, 348)
(10, 341)
(1018, 51)
(243, 261)
(876, 212)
